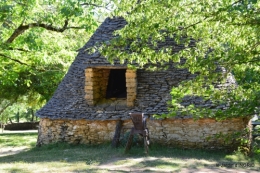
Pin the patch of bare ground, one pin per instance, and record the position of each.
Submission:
(124, 164)
(5, 151)
(138, 165)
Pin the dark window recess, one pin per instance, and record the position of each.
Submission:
(116, 87)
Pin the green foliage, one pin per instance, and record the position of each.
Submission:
(220, 38)
(38, 41)
(234, 141)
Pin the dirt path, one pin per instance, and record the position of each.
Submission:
(11, 150)
(137, 165)
(18, 131)
(153, 164)
(14, 150)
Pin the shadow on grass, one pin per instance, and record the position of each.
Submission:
(111, 159)
(17, 170)
(100, 171)
(18, 139)
(117, 171)
(166, 165)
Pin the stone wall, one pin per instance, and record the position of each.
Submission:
(131, 85)
(96, 81)
(185, 133)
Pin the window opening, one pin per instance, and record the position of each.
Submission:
(116, 87)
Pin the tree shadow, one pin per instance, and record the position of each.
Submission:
(160, 165)
(103, 157)
(16, 170)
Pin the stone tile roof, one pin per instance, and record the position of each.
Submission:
(153, 88)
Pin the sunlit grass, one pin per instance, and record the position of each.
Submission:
(18, 139)
(62, 157)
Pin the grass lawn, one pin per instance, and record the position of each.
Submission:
(19, 154)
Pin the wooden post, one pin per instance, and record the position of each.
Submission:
(129, 142)
(115, 141)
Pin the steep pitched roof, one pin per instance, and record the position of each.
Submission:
(153, 88)
(103, 34)
(68, 100)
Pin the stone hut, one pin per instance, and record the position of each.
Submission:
(95, 95)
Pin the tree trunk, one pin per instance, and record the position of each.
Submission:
(32, 112)
(2, 126)
(17, 117)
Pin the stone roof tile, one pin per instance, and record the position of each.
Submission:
(153, 88)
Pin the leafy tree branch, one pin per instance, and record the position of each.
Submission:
(227, 34)
(38, 42)
(15, 60)
(22, 28)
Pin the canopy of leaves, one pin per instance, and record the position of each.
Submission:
(226, 33)
(38, 41)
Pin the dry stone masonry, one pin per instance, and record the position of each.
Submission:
(96, 83)
(131, 85)
(83, 111)
(185, 133)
